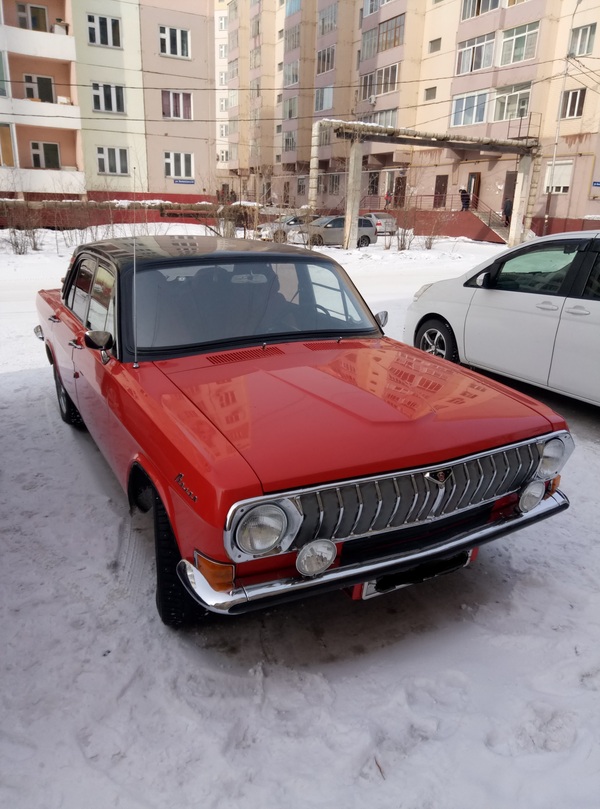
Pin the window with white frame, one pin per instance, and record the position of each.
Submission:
(390, 33)
(519, 43)
(474, 8)
(469, 109)
(223, 130)
(512, 102)
(41, 87)
(255, 58)
(179, 165)
(323, 98)
(223, 155)
(234, 98)
(289, 141)
(386, 80)
(176, 104)
(291, 73)
(223, 49)
(255, 26)
(582, 40)
(291, 38)
(301, 186)
(174, 41)
(222, 22)
(112, 160)
(514, 2)
(33, 17)
(558, 180)
(367, 86)
(45, 155)
(327, 20)
(326, 59)
(222, 78)
(108, 97)
(334, 184)
(255, 88)
(104, 31)
(572, 103)
(382, 118)
(290, 108)
(371, 6)
(223, 104)
(475, 54)
(233, 68)
(368, 47)
(321, 180)
(292, 7)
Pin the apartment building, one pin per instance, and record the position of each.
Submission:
(108, 99)
(499, 69)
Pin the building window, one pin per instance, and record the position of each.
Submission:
(324, 136)
(386, 80)
(430, 93)
(223, 50)
(292, 7)
(176, 105)
(174, 41)
(233, 69)
(512, 102)
(223, 104)
(255, 58)
(381, 118)
(326, 59)
(390, 33)
(112, 161)
(255, 26)
(327, 20)
(104, 31)
(473, 8)
(223, 130)
(582, 40)
(291, 73)
(108, 97)
(40, 87)
(469, 109)
(255, 88)
(232, 41)
(223, 155)
(301, 186)
(514, 2)
(234, 99)
(290, 108)
(572, 103)
(222, 22)
(291, 39)
(33, 17)
(519, 43)
(3, 91)
(323, 98)
(289, 141)
(475, 54)
(368, 47)
(45, 155)
(435, 45)
(560, 178)
(179, 165)
(334, 184)
(222, 78)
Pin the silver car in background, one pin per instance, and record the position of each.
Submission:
(278, 230)
(329, 230)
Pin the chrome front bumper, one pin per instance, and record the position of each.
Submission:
(256, 596)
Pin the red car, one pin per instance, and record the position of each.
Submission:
(246, 394)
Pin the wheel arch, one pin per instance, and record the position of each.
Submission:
(458, 333)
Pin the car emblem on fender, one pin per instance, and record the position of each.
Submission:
(439, 477)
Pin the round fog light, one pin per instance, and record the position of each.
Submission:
(316, 557)
(532, 495)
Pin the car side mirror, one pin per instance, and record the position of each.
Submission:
(99, 340)
(382, 318)
(484, 280)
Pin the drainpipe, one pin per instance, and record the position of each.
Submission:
(314, 166)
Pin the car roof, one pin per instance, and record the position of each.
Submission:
(153, 249)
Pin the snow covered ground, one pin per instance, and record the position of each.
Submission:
(480, 690)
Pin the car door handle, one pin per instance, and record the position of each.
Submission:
(75, 344)
(578, 310)
(54, 319)
(547, 306)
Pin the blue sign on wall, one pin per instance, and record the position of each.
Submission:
(596, 183)
(184, 182)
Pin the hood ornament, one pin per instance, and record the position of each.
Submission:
(439, 476)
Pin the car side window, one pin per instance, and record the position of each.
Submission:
(540, 271)
(79, 292)
(336, 223)
(101, 312)
(592, 287)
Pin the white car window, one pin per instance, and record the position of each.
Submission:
(540, 271)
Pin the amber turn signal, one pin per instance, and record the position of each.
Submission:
(220, 576)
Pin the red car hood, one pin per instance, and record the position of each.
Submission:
(306, 413)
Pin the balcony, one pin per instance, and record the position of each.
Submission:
(39, 44)
(32, 112)
(42, 181)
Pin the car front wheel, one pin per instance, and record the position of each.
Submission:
(364, 241)
(174, 604)
(317, 240)
(436, 337)
(280, 236)
(68, 412)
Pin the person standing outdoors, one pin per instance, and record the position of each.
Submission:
(465, 199)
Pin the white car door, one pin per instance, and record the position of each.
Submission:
(510, 327)
(575, 366)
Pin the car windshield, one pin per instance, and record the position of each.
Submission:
(207, 303)
(322, 220)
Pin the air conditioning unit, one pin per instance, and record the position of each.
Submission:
(372, 99)
(63, 100)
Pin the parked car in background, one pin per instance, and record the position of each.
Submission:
(278, 230)
(532, 314)
(329, 230)
(245, 394)
(385, 223)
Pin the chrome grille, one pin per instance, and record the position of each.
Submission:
(374, 505)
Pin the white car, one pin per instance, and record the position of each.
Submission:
(278, 231)
(532, 314)
(385, 223)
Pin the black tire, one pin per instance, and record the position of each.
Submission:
(68, 412)
(175, 606)
(364, 241)
(280, 236)
(317, 240)
(437, 338)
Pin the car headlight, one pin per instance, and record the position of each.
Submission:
(532, 495)
(555, 453)
(261, 529)
(420, 291)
